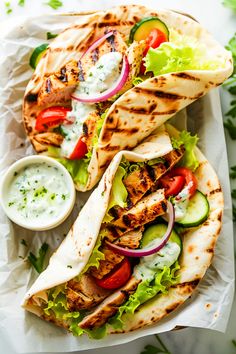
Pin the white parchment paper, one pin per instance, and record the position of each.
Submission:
(210, 305)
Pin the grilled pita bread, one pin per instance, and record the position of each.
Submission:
(141, 109)
(196, 257)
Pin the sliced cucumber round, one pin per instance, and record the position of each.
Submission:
(37, 55)
(197, 211)
(142, 29)
(157, 231)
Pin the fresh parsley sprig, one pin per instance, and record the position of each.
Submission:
(54, 4)
(38, 262)
(153, 349)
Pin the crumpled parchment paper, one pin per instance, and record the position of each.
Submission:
(210, 305)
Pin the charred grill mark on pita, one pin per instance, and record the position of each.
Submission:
(31, 97)
(186, 76)
(214, 191)
(141, 110)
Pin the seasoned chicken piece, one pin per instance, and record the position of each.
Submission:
(146, 210)
(89, 129)
(139, 182)
(131, 239)
(134, 56)
(106, 265)
(109, 306)
(58, 87)
(84, 294)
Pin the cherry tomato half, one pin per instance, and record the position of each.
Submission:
(79, 151)
(172, 185)
(154, 39)
(116, 278)
(51, 117)
(189, 177)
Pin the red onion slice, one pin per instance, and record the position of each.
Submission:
(114, 89)
(148, 251)
(97, 43)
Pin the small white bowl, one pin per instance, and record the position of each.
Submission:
(32, 224)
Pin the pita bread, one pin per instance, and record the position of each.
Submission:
(198, 242)
(141, 109)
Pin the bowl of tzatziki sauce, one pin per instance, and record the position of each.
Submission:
(37, 192)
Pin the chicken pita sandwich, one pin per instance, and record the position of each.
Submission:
(141, 243)
(108, 81)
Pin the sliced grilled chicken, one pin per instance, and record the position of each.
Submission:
(131, 239)
(89, 129)
(134, 56)
(108, 264)
(143, 212)
(58, 87)
(109, 306)
(84, 294)
(139, 182)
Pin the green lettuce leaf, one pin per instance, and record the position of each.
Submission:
(57, 306)
(189, 141)
(118, 194)
(137, 80)
(99, 125)
(146, 290)
(181, 53)
(78, 169)
(96, 255)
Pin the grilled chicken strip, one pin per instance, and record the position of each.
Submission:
(131, 239)
(109, 306)
(146, 210)
(139, 182)
(106, 265)
(57, 88)
(84, 294)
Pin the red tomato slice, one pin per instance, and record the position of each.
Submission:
(116, 278)
(172, 185)
(80, 151)
(51, 117)
(189, 177)
(154, 39)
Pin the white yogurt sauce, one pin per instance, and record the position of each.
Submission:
(181, 202)
(100, 77)
(38, 193)
(148, 265)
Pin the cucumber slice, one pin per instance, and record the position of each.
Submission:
(142, 29)
(37, 55)
(197, 211)
(157, 231)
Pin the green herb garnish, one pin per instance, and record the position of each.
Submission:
(23, 242)
(21, 3)
(54, 4)
(153, 349)
(37, 262)
(51, 35)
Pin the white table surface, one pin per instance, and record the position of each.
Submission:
(222, 23)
